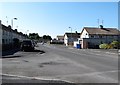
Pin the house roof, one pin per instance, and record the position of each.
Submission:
(75, 35)
(8, 28)
(102, 31)
(60, 37)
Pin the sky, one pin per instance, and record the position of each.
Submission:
(55, 18)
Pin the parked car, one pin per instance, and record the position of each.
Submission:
(27, 45)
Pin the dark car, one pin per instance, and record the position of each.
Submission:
(27, 45)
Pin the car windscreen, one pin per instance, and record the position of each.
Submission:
(27, 43)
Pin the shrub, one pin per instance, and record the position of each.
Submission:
(110, 46)
(115, 44)
(103, 46)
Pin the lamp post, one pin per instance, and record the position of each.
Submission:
(71, 33)
(71, 37)
(12, 22)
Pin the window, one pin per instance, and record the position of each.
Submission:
(3, 41)
(6, 41)
(3, 32)
(92, 36)
(111, 36)
(100, 36)
(9, 41)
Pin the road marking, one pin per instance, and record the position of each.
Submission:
(96, 74)
(55, 79)
(37, 78)
(92, 73)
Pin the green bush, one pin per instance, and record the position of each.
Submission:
(103, 46)
(115, 44)
(112, 45)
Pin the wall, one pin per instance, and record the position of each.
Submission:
(83, 35)
(66, 40)
(86, 42)
(75, 43)
(0, 36)
(8, 36)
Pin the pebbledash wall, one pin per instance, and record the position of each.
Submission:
(8, 35)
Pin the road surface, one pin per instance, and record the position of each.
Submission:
(62, 63)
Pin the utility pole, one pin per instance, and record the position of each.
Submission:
(102, 22)
(98, 22)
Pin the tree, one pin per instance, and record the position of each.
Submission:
(47, 37)
(34, 36)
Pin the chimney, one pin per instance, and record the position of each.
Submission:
(76, 32)
(9, 26)
(101, 26)
(16, 30)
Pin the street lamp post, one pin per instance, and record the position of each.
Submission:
(71, 33)
(12, 22)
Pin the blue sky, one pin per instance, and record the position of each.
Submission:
(55, 18)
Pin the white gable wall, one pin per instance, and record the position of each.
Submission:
(84, 34)
(66, 40)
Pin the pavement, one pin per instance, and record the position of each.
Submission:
(10, 52)
(15, 53)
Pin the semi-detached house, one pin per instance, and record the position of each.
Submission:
(69, 38)
(92, 37)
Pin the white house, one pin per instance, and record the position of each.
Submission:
(92, 37)
(60, 38)
(7, 36)
(69, 38)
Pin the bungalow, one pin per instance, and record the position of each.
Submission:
(69, 38)
(92, 37)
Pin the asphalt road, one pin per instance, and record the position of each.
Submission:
(63, 64)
